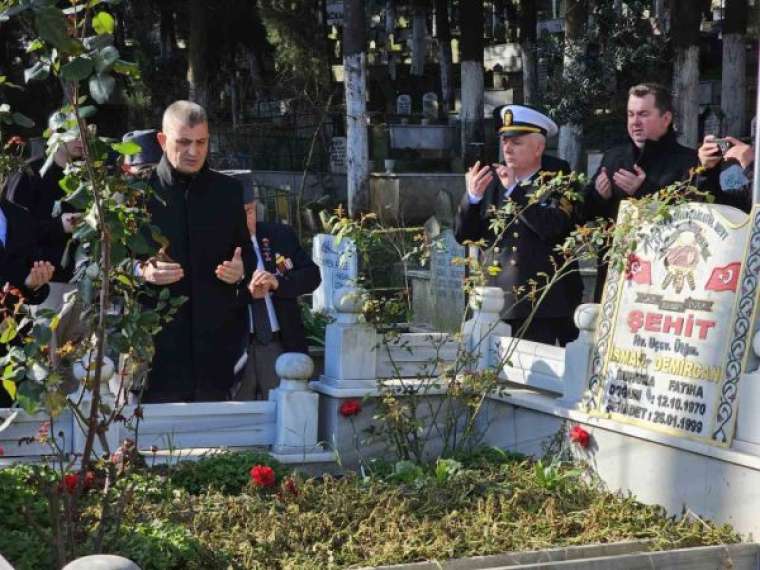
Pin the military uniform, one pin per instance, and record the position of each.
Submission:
(526, 249)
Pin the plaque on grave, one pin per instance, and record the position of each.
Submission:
(447, 280)
(338, 155)
(338, 264)
(404, 105)
(672, 335)
(430, 105)
(712, 125)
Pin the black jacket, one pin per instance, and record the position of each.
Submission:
(16, 259)
(280, 240)
(38, 194)
(527, 248)
(709, 181)
(202, 217)
(664, 162)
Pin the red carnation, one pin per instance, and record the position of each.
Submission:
(350, 408)
(262, 476)
(580, 436)
(69, 483)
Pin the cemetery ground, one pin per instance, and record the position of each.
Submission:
(224, 512)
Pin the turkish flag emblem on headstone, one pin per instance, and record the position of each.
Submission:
(639, 270)
(724, 278)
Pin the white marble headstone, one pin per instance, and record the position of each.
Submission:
(338, 263)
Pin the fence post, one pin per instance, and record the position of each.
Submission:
(486, 304)
(297, 405)
(578, 354)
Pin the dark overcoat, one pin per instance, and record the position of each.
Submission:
(203, 219)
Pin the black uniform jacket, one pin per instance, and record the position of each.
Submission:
(664, 162)
(302, 278)
(38, 194)
(202, 217)
(526, 249)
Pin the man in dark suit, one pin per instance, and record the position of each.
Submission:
(209, 260)
(526, 249)
(19, 268)
(650, 160)
(284, 271)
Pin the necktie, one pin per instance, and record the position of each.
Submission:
(261, 326)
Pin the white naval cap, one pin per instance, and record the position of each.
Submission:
(516, 120)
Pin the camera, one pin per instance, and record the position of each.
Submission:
(723, 145)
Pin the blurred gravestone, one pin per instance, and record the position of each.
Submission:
(447, 281)
(430, 105)
(338, 155)
(404, 105)
(338, 264)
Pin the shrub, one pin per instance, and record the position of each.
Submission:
(226, 472)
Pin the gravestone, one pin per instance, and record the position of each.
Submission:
(430, 105)
(404, 105)
(338, 264)
(447, 281)
(673, 327)
(338, 155)
(712, 124)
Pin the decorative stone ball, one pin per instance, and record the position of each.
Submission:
(348, 299)
(87, 362)
(294, 366)
(101, 562)
(487, 299)
(586, 315)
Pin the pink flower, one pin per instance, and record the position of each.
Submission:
(350, 408)
(580, 436)
(2, 451)
(262, 476)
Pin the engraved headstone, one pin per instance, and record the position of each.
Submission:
(404, 105)
(430, 105)
(671, 337)
(447, 281)
(338, 264)
(338, 155)
(712, 124)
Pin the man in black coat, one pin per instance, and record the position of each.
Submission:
(284, 272)
(527, 247)
(18, 266)
(208, 259)
(649, 161)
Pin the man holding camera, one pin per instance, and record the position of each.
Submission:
(649, 161)
(729, 166)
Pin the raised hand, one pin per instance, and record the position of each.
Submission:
(478, 178)
(629, 181)
(162, 272)
(40, 273)
(603, 185)
(231, 271)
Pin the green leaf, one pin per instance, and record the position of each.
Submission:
(52, 27)
(127, 148)
(10, 387)
(35, 45)
(101, 88)
(105, 59)
(77, 69)
(22, 120)
(127, 68)
(103, 23)
(8, 330)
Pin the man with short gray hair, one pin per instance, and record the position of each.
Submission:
(209, 260)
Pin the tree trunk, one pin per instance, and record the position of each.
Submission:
(390, 35)
(685, 35)
(167, 31)
(444, 55)
(419, 39)
(571, 133)
(528, 23)
(355, 81)
(661, 16)
(197, 68)
(733, 99)
(472, 76)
